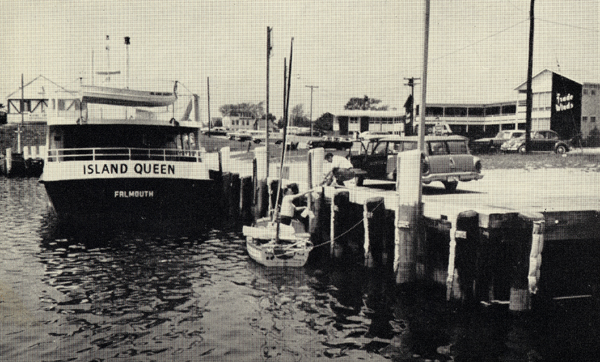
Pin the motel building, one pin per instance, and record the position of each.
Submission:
(559, 103)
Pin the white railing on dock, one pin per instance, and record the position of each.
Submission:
(131, 154)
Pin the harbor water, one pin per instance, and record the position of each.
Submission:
(182, 291)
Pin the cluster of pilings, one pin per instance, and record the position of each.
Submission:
(477, 256)
(29, 163)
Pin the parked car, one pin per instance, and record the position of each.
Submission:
(446, 159)
(492, 144)
(330, 143)
(215, 131)
(545, 140)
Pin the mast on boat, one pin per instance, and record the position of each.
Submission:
(269, 47)
(286, 100)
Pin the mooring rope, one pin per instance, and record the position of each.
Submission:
(287, 247)
(350, 229)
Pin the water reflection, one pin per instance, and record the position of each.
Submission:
(163, 290)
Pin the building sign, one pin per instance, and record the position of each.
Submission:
(563, 102)
(565, 111)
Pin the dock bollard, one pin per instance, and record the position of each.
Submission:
(463, 260)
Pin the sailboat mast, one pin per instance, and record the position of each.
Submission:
(285, 127)
(267, 98)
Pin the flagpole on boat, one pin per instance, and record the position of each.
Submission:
(285, 127)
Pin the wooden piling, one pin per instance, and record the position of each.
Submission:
(463, 256)
(246, 199)
(9, 161)
(408, 214)
(234, 198)
(373, 218)
(339, 203)
(315, 175)
(261, 189)
(521, 250)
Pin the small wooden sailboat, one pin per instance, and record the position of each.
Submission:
(292, 249)
(271, 243)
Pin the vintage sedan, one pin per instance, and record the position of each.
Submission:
(492, 145)
(545, 140)
(445, 159)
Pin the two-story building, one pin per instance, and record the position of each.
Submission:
(559, 103)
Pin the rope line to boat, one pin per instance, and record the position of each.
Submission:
(350, 229)
(335, 238)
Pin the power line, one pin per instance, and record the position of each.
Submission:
(481, 40)
(568, 25)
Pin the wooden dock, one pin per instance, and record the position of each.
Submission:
(514, 236)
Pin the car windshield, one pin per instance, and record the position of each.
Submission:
(504, 135)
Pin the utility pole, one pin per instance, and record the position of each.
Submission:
(421, 142)
(311, 98)
(411, 83)
(208, 100)
(529, 102)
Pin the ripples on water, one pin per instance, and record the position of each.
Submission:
(166, 292)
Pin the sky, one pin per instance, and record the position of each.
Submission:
(477, 53)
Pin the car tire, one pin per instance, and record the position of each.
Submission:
(561, 149)
(523, 150)
(450, 186)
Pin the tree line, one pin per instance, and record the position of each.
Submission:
(298, 116)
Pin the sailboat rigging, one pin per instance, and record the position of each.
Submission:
(269, 242)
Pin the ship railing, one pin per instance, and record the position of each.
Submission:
(123, 154)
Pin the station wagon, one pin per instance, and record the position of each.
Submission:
(446, 159)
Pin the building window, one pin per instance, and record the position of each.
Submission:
(584, 91)
(593, 119)
(593, 92)
(584, 119)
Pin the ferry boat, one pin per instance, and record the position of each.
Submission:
(113, 151)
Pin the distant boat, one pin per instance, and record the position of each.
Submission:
(127, 97)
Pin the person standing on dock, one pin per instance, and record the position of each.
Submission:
(341, 170)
